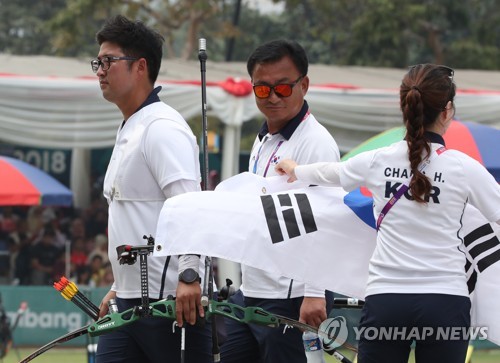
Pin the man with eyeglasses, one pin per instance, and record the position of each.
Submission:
(278, 70)
(155, 157)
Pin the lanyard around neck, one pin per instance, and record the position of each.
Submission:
(270, 158)
(405, 187)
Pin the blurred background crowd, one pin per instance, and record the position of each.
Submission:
(39, 244)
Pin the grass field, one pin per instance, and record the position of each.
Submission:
(56, 355)
(79, 355)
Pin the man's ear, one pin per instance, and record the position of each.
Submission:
(304, 84)
(142, 65)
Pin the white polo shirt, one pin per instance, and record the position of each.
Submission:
(309, 142)
(419, 246)
(155, 148)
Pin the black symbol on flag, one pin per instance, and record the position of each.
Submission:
(289, 215)
(487, 245)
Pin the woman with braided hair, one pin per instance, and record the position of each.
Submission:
(420, 111)
(416, 289)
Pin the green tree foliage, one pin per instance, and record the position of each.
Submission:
(385, 33)
(178, 21)
(252, 30)
(73, 27)
(478, 43)
(395, 33)
(23, 27)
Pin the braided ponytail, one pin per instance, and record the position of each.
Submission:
(423, 92)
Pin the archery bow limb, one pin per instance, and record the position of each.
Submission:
(106, 324)
(52, 344)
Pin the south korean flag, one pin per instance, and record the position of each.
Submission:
(482, 245)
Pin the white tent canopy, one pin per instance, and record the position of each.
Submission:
(67, 112)
(57, 103)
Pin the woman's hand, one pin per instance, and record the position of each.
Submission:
(287, 167)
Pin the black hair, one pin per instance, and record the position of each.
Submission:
(275, 50)
(136, 40)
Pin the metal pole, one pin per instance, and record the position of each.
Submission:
(208, 283)
(202, 56)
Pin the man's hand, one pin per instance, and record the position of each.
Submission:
(313, 311)
(188, 303)
(103, 307)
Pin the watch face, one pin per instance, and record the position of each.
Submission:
(188, 276)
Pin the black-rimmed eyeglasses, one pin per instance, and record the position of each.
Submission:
(281, 89)
(105, 62)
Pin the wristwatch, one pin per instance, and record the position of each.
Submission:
(189, 275)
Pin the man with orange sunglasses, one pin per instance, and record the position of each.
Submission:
(278, 70)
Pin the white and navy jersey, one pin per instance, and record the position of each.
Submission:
(153, 149)
(419, 246)
(303, 139)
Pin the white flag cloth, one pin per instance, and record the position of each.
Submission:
(483, 271)
(318, 235)
(309, 240)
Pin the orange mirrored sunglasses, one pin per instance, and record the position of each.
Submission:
(281, 89)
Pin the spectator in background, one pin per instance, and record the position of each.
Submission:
(48, 215)
(77, 229)
(35, 220)
(107, 277)
(8, 220)
(8, 224)
(78, 255)
(59, 267)
(23, 244)
(65, 217)
(100, 248)
(44, 256)
(96, 217)
(5, 333)
(97, 270)
(19, 241)
(61, 238)
(40, 218)
(4, 257)
(83, 276)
